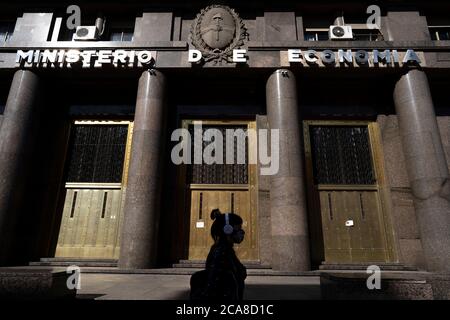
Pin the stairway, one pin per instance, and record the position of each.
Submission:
(200, 264)
(360, 266)
(64, 262)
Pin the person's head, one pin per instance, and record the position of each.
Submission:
(235, 233)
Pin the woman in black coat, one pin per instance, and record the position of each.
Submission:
(224, 276)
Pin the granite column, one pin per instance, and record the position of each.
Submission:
(139, 238)
(16, 136)
(290, 239)
(426, 165)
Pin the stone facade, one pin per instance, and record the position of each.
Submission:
(222, 88)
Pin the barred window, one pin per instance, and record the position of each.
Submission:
(220, 173)
(97, 153)
(342, 155)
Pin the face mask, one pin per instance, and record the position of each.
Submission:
(238, 236)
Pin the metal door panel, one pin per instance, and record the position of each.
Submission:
(360, 205)
(239, 198)
(92, 212)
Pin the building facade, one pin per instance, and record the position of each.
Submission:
(354, 102)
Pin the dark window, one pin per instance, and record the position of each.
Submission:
(114, 30)
(65, 34)
(97, 153)
(220, 173)
(121, 34)
(358, 34)
(440, 33)
(6, 30)
(316, 35)
(316, 27)
(341, 155)
(367, 35)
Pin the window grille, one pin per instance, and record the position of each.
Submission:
(97, 153)
(342, 155)
(220, 173)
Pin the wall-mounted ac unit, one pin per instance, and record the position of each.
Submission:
(85, 33)
(341, 33)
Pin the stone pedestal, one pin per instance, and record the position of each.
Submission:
(16, 135)
(427, 167)
(141, 212)
(36, 284)
(290, 240)
(393, 286)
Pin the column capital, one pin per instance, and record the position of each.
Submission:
(156, 80)
(281, 84)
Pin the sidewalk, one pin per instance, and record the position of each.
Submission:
(176, 287)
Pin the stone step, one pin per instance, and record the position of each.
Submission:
(395, 285)
(360, 266)
(77, 259)
(199, 264)
(65, 262)
(190, 271)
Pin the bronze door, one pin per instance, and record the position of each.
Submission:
(94, 190)
(346, 192)
(228, 187)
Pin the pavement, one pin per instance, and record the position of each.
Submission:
(101, 283)
(101, 286)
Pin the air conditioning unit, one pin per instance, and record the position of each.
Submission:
(84, 33)
(341, 33)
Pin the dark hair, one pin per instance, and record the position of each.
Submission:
(219, 223)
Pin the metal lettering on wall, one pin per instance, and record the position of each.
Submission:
(146, 58)
(85, 58)
(351, 58)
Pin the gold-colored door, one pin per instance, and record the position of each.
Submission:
(346, 191)
(228, 187)
(95, 189)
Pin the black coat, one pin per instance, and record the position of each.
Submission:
(224, 276)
